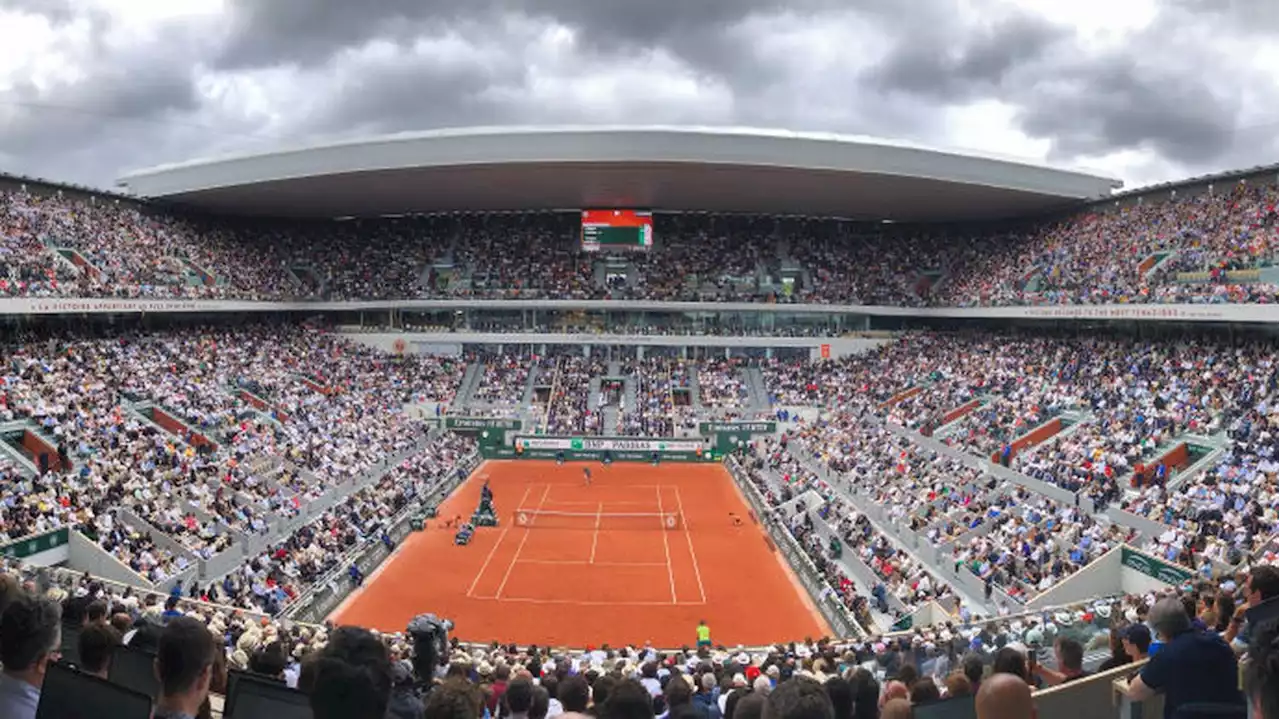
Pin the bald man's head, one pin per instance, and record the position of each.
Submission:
(1005, 696)
(894, 690)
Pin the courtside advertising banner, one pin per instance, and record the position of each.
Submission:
(608, 444)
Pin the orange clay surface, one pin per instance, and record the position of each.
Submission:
(563, 581)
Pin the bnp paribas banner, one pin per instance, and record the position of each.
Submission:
(608, 444)
(1155, 568)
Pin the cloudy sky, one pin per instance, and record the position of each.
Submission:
(1146, 90)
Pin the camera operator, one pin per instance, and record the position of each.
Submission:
(430, 648)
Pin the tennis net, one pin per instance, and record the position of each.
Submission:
(551, 519)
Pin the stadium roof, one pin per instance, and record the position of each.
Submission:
(657, 168)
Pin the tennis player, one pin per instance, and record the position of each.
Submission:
(586, 476)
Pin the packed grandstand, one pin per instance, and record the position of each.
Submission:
(945, 487)
(1196, 247)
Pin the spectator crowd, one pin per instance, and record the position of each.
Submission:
(1194, 247)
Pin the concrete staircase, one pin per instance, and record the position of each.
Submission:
(467, 387)
(526, 398)
(609, 420)
(695, 395)
(759, 394)
(630, 394)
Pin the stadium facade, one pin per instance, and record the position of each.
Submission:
(678, 170)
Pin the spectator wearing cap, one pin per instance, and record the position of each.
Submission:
(1115, 641)
(30, 634)
(185, 666)
(171, 608)
(1191, 667)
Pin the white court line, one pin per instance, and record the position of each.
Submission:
(595, 536)
(496, 544)
(580, 563)
(579, 603)
(666, 547)
(692, 555)
(520, 548)
(592, 501)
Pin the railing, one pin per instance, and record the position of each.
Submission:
(24, 547)
(838, 617)
(251, 545)
(326, 594)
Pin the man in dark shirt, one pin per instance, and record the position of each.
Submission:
(1070, 656)
(1191, 667)
(1262, 671)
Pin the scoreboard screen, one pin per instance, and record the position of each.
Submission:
(616, 230)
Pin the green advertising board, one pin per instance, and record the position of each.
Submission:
(706, 429)
(1170, 574)
(479, 423)
(36, 543)
(622, 449)
(728, 437)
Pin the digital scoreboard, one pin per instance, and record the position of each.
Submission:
(616, 230)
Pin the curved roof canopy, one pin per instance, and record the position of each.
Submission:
(656, 168)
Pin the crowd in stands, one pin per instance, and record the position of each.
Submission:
(1134, 398)
(1193, 645)
(277, 577)
(1226, 513)
(503, 381)
(226, 467)
(657, 413)
(1192, 248)
(720, 384)
(571, 409)
(1033, 543)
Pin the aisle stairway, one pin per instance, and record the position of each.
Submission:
(759, 395)
(526, 398)
(467, 387)
(609, 421)
(695, 395)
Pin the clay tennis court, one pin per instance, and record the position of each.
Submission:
(594, 564)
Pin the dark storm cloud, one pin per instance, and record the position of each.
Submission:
(353, 68)
(401, 96)
(1111, 104)
(120, 107)
(947, 63)
(308, 32)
